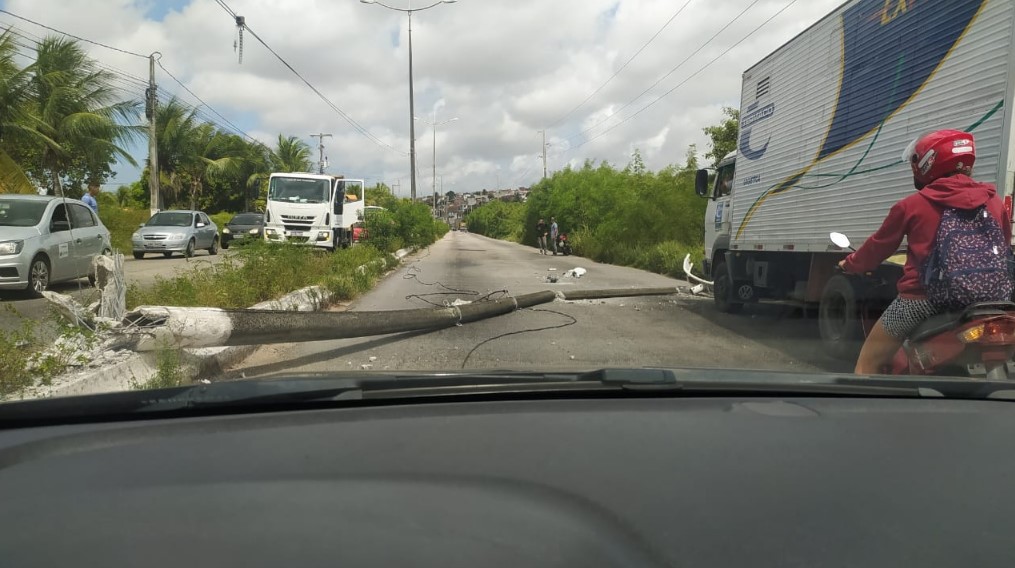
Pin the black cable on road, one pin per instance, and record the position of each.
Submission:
(573, 320)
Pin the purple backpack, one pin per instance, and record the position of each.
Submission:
(969, 262)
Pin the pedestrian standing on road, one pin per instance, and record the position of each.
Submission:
(553, 234)
(541, 235)
(89, 197)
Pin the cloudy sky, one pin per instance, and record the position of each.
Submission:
(506, 69)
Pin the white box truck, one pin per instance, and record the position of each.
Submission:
(313, 209)
(823, 123)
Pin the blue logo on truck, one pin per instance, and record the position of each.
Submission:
(753, 116)
(891, 48)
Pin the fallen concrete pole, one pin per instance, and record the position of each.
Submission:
(616, 293)
(151, 328)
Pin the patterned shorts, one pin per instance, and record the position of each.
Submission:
(903, 316)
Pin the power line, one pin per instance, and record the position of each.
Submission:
(79, 38)
(622, 67)
(359, 128)
(691, 76)
(209, 107)
(668, 73)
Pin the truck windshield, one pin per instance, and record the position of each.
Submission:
(299, 190)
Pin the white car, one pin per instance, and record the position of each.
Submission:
(47, 239)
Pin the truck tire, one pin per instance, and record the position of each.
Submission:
(722, 289)
(839, 318)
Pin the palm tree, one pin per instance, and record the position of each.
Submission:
(291, 155)
(209, 155)
(14, 116)
(176, 130)
(77, 111)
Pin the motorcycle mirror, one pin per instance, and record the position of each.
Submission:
(840, 240)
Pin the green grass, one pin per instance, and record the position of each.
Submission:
(261, 272)
(168, 372)
(122, 222)
(220, 219)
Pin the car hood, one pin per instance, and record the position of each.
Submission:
(160, 230)
(18, 233)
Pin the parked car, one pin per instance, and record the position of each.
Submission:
(243, 226)
(44, 240)
(359, 230)
(182, 231)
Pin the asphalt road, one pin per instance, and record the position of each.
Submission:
(16, 305)
(678, 330)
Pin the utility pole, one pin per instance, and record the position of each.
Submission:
(151, 102)
(544, 153)
(320, 147)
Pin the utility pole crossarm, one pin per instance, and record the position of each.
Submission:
(320, 146)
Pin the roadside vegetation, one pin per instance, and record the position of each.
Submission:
(630, 216)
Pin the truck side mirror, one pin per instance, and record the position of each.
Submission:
(701, 183)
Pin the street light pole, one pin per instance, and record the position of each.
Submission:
(433, 127)
(412, 121)
(412, 104)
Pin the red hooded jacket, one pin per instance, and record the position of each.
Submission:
(917, 218)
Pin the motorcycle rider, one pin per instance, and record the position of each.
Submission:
(942, 163)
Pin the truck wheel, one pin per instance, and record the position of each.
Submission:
(839, 318)
(723, 290)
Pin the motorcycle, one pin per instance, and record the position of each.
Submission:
(563, 245)
(952, 343)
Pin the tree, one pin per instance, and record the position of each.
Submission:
(290, 155)
(77, 117)
(691, 160)
(14, 117)
(723, 136)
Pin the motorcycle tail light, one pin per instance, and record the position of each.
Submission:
(971, 334)
(997, 330)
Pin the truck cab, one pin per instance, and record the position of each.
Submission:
(718, 189)
(313, 209)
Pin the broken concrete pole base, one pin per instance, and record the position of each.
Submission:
(110, 280)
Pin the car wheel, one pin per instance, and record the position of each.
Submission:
(138, 255)
(38, 276)
(722, 290)
(214, 247)
(225, 245)
(167, 254)
(190, 249)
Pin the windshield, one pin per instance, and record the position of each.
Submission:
(21, 213)
(247, 219)
(170, 220)
(299, 190)
(558, 186)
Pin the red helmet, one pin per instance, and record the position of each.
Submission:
(940, 154)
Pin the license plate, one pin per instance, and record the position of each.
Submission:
(154, 245)
(296, 234)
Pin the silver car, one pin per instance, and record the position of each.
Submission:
(181, 231)
(47, 239)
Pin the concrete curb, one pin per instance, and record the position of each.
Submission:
(138, 368)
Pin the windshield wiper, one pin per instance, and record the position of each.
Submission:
(305, 391)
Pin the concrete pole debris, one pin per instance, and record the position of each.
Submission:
(616, 293)
(110, 280)
(150, 328)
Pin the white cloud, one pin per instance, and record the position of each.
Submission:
(506, 68)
